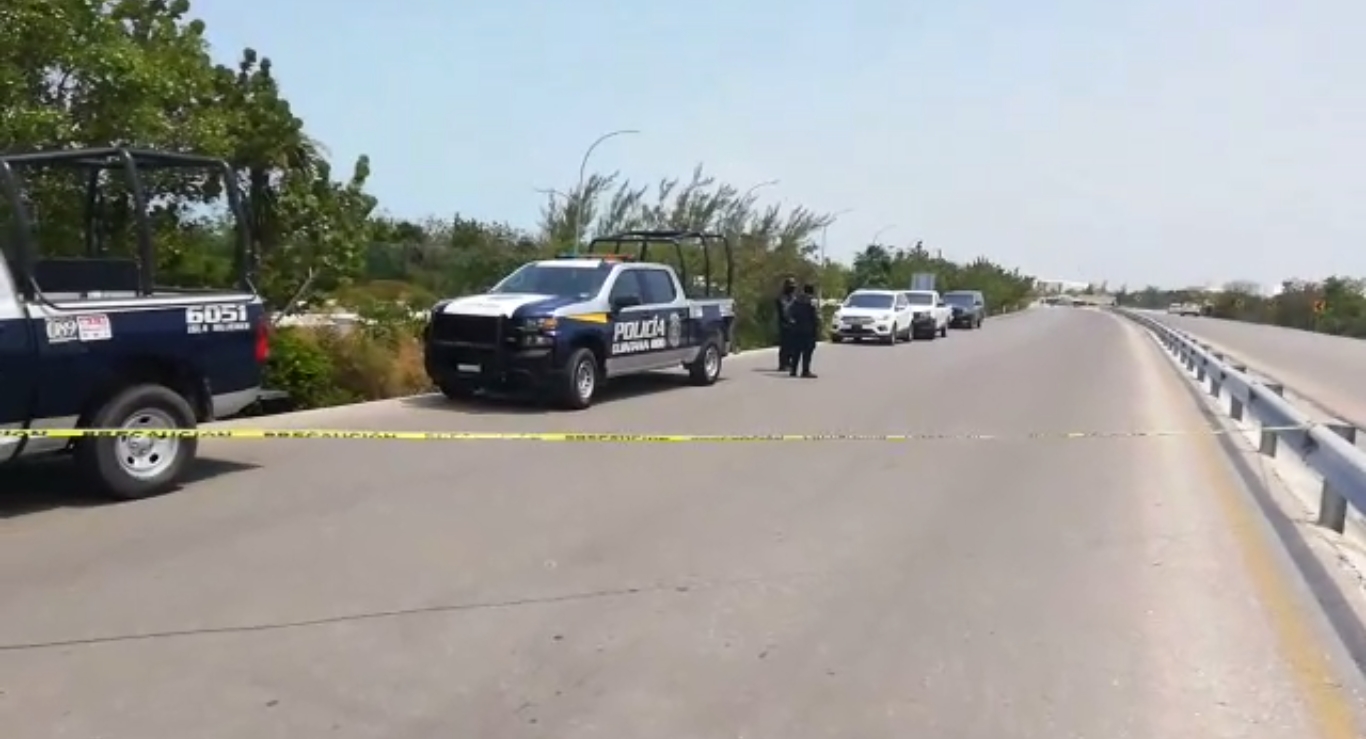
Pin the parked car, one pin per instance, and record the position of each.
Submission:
(884, 315)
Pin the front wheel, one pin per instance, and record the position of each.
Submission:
(133, 467)
(706, 369)
(581, 380)
(944, 331)
(893, 336)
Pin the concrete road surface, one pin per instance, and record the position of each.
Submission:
(1328, 370)
(1048, 588)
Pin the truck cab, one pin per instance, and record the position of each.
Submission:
(92, 341)
(562, 327)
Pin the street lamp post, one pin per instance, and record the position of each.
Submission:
(751, 190)
(740, 226)
(825, 231)
(583, 166)
(879, 232)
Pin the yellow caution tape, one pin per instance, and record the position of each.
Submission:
(617, 438)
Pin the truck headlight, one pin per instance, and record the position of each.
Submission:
(539, 331)
(541, 325)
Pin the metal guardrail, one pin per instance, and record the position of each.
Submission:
(1326, 448)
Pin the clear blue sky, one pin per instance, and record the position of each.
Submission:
(1131, 140)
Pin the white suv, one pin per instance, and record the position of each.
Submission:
(884, 315)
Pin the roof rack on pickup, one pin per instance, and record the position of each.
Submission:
(677, 238)
(93, 163)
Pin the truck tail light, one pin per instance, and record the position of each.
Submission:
(262, 340)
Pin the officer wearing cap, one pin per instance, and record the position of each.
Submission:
(786, 353)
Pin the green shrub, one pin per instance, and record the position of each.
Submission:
(327, 367)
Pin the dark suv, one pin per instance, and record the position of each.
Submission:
(969, 308)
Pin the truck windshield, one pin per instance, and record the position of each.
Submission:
(958, 298)
(920, 298)
(868, 300)
(560, 282)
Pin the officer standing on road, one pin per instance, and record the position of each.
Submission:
(806, 322)
(786, 357)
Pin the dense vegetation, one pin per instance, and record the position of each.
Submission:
(77, 73)
(1336, 305)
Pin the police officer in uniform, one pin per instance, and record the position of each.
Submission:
(786, 356)
(806, 322)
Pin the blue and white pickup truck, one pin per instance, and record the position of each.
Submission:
(564, 326)
(90, 342)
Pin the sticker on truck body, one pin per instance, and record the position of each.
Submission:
(217, 318)
(84, 327)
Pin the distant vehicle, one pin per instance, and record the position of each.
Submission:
(1186, 309)
(969, 308)
(563, 327)
(95, 342)
(884, 315)
(931, 315)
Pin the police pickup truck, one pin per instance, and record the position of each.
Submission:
(90, 342)
(562, 327)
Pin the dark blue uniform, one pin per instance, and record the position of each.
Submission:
(805, 325)
(786, 356)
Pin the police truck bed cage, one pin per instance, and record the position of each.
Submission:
(704, 239)
(96, 271)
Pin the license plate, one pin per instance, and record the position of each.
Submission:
(473, 368)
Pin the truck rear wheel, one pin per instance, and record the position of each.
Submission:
(706, 369)
(128, 468)
(580, 381)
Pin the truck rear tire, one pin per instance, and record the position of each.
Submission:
(129, 468)
(706, 369)
(581, 378)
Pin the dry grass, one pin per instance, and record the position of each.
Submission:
(324, 367)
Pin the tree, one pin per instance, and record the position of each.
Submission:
(83, 73)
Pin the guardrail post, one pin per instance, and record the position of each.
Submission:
(1200, 371)
(1332, 506)
(1235, 405)
(1216, 383)
(1267, 443)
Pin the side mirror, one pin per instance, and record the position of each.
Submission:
(625, 301)
(940, 304)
